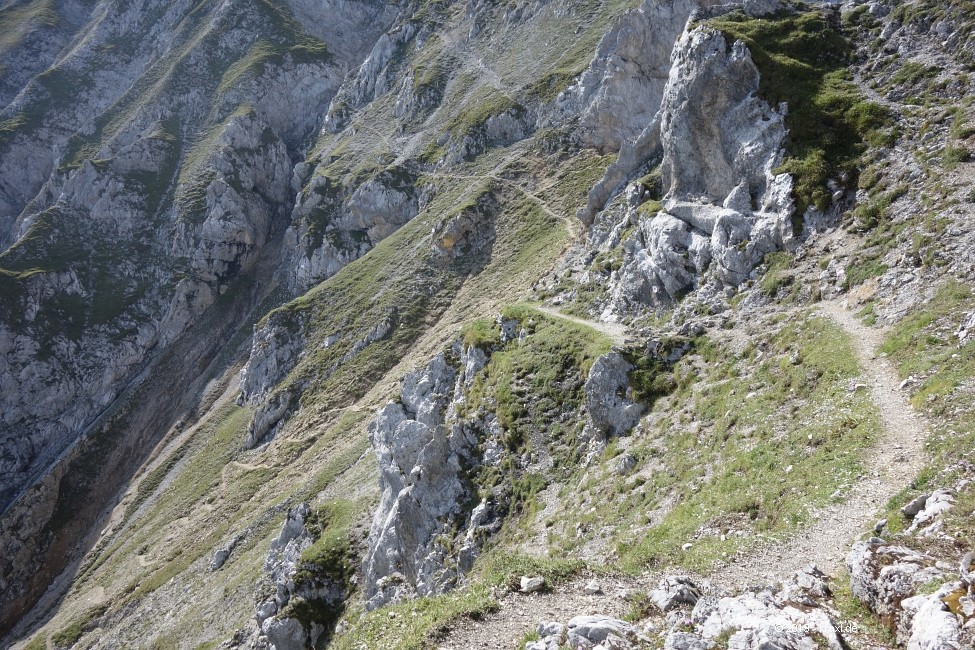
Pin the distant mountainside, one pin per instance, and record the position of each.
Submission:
(610, 323)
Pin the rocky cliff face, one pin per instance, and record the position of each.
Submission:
(581, 245)
(136, 193)
(621, 90)
(423, 454)
(723, 207)
(202, 196)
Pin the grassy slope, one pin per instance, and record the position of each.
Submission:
(525, 383)
(924, 346)
(527, 240)
(753, 413)
(213, 490)
(730, 475)
(17, 20)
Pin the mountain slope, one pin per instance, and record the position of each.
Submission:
(533, 287)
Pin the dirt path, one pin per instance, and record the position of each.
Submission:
(572, 225)
(891, 463)
(615, 331)
(457, 42)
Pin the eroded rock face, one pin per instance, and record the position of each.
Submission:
(360, 23)
(251, 176)
(786, 616)
(374, 76)
(274, 350)
(429, 526)
(882, 575)
(422, 465)
(887, 578)
(277, 626)
(620, 91)
(147, 175)
(724, 209)
(716, 134)
(609, 398)
(332, 229)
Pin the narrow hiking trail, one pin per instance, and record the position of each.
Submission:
(615, 331)
(572, 224)
(891, 463)
(519, 614)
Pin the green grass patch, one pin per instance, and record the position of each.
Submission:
(952, 155)
(415, 625)
(481, 333)
(870, 215)
(10, 127)
(961, 128)
(37, 643)
(330, 557)
(70, 635)
(330, 560)
(911, 72)
(862, 270)
(650, 378)
(868, 315)
(923, 345)
(18, 19)
(776, 276)
(545, 370)
(505, 568)
(649, 209)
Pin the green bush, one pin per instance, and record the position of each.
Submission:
(775, 277)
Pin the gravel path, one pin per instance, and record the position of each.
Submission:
(520, 614)
(615, 331)
(892, 462)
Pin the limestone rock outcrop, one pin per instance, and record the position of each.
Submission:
(786, 616)
(612, 407)
(275, 347)
(287, 585)
(621, 90)
(724, 208)
(888, 579)
(332, 227)
(423, 452)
